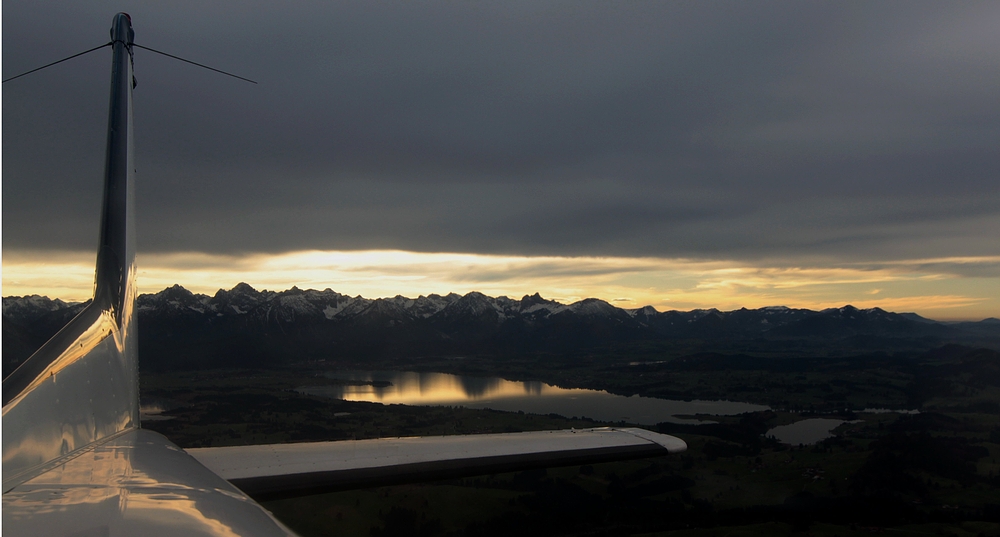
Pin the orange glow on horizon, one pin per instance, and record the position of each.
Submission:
(945, 288)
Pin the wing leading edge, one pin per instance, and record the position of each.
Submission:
(268, 472)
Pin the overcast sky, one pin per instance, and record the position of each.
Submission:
(793, 134)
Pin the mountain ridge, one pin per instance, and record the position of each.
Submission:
(245, 326)
(243, 294)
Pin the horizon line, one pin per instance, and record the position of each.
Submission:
(948, 288)
(71, 302)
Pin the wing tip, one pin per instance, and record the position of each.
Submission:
(671, 443)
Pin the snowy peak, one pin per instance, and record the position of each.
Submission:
(31, 303)
(243, 289)
(345, 308)
(643, 313)
(849, 312)
(384, 309)
(238, 300)
(426, 306)
(536, 306)
(474, 306)
(455, 316)
(31, 307)
(175, 300)
(532, 300)
(594, 307)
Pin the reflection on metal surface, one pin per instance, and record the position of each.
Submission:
(239, 462)
(289, 470)
(81, 386)
(74, 460)
(135, 484)
(85, 396)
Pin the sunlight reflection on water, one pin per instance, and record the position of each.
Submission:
(442, 389)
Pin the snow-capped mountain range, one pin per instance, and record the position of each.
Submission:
(243, 323)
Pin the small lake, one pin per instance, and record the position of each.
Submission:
(806, 432)
(442, 389)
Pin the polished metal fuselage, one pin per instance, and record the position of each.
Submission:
(137, 483)
(82, 386)
(74, 459)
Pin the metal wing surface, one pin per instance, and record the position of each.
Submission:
(285, 470)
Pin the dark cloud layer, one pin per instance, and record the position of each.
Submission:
(801, 130)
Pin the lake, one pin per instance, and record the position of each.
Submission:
(442, 389)
(806, 432)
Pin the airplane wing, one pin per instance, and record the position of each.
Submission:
(76, 463)
(269, 472)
